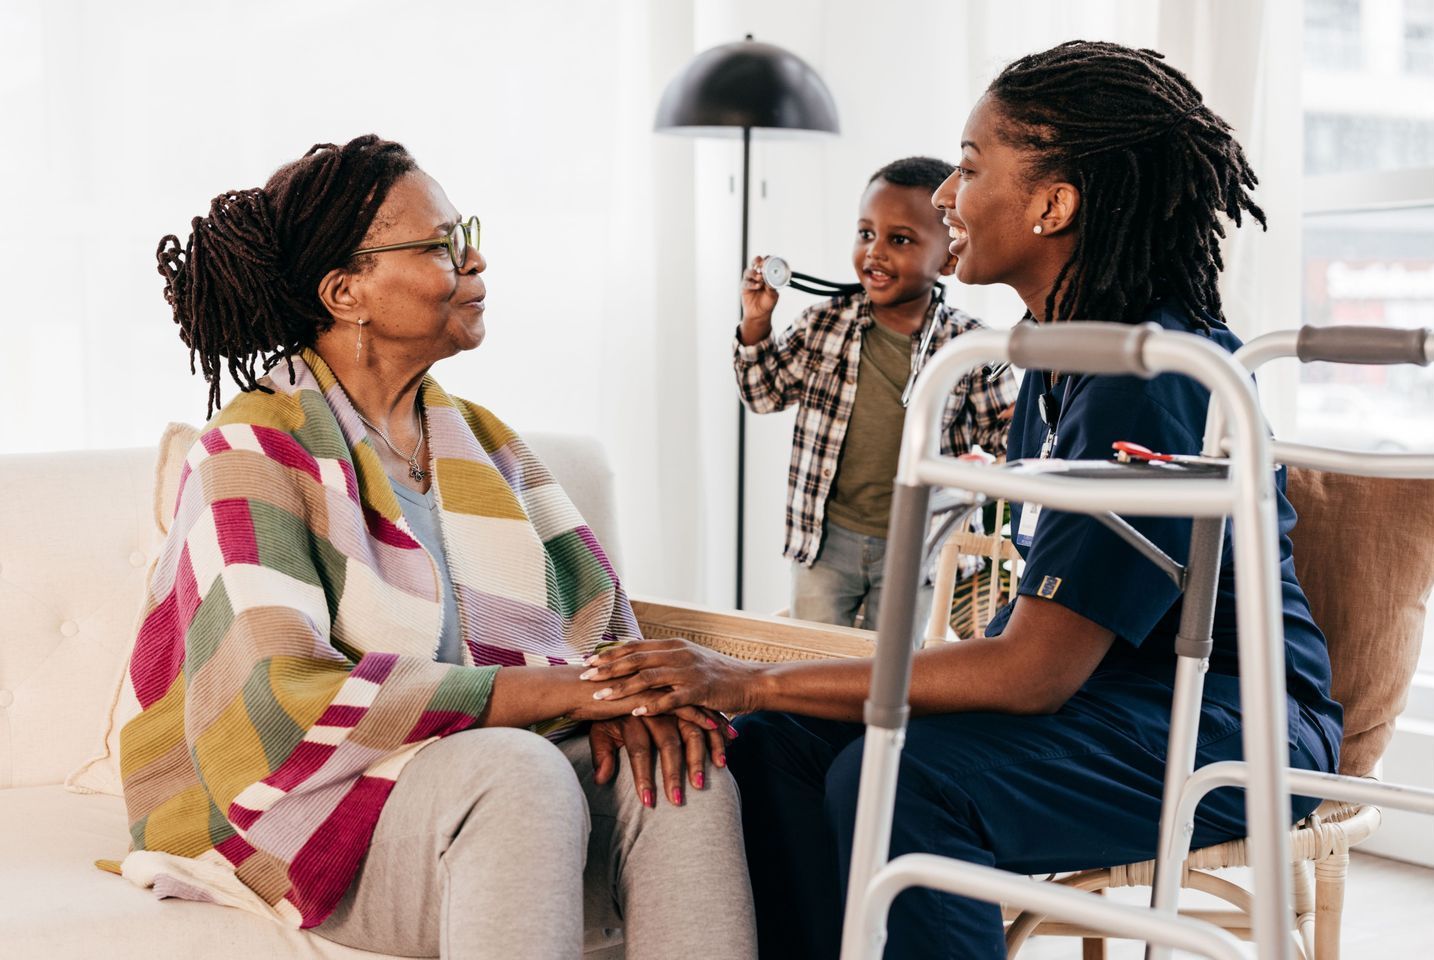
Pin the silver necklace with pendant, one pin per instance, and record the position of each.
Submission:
(414, 470)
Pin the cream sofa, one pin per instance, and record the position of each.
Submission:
(78, 531)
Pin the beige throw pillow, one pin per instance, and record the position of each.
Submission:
(1364, 552)
(101, 773)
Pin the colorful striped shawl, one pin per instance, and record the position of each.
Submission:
(285, 660)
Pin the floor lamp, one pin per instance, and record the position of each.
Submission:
(744, 86)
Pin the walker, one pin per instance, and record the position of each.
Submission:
(1241, 488)
(1185, 787)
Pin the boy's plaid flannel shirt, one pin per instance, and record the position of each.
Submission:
(814, 364)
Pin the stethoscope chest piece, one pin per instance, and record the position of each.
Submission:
(776, 272)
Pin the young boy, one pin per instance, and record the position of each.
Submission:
(846, 362)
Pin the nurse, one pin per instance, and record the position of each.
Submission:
(1096, 183)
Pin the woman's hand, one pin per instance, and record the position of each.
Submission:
(676, 742)
(661, 676)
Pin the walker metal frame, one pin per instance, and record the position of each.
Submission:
(1245, 493)
(1184, 786)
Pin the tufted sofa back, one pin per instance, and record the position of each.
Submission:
(77, 537)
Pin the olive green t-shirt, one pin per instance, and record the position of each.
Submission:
(861, 494)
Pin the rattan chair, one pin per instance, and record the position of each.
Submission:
(1344, 558)
(971, 603)
(1323, 840)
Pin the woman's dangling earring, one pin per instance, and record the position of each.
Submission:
(358, 343)
(1036, 228)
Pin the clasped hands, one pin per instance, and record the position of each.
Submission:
(663, 700)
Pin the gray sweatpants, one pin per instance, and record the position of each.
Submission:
(497, 843)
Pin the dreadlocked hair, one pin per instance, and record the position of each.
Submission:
(1155, 168)
(244, 287)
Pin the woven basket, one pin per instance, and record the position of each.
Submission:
(751, 636)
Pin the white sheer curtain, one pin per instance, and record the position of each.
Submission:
(1247, 58)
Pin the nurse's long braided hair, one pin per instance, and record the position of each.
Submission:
(244, 287)
(1155, 168)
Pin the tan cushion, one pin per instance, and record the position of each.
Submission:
(1364, 552)
(100, 774)
(173, 448)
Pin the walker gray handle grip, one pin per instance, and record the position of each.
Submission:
(1348, 344)
(1082, 347)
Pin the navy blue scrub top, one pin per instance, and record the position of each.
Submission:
(1077, 562)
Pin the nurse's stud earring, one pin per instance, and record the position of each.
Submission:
(1036, 228)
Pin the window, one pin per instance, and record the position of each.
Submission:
(1369, 267)
(1340, 142)
(1332, 34)
(1369, 259)
(1369, 232)
(1419, 36)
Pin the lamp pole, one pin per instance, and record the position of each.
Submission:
(745, 85)
(741, 408)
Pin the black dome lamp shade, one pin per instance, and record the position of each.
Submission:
(740, 87)
(746, 84)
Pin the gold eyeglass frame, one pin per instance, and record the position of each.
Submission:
(472, 235)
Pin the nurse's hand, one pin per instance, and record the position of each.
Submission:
(660, 676)
(679, 745)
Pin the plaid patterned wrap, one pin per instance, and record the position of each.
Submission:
(814, 364)
(284, 663)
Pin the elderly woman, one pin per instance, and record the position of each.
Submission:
(373, 601)
(1096, 183)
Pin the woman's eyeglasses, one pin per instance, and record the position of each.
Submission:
(465, 234)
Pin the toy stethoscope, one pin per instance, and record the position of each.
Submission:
(777, 273)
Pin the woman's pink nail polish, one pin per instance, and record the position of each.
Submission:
(647, 799)
(721, 759)
(677, 795)
(711, 724)
(700, 780)
(731, 731)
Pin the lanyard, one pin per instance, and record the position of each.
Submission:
(1051, 407)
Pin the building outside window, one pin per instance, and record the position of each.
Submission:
(1368, 251)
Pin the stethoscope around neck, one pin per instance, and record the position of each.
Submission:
(777, 273)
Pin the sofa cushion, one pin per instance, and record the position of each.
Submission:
(58, 905)
(1364, 553)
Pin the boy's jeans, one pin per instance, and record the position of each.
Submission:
(849, 570)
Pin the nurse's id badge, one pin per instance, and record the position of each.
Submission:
(1030, 516)
(1031, 512)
